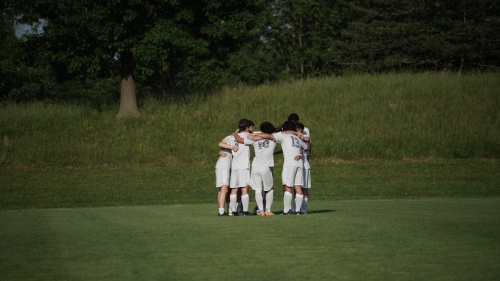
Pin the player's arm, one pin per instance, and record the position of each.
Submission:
(222, 153)
(299, 156)
(238, 138)
(223, 144)
(304, 146)
(260, 136)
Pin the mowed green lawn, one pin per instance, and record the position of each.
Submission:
(396, 239)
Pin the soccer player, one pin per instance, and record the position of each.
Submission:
(223, 170)
(262, 168)
(240, 169)
(306, 168)
(294, 117)
(291, 175)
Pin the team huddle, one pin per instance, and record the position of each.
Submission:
(233, 176)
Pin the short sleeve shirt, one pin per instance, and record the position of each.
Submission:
(241, 158)
(264, 152)
(291, 146)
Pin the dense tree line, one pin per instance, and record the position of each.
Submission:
(177, 47)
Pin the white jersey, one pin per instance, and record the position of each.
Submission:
(305, 162)
(224, 163)
(291, 146)
(306, 132)
(264, 152)
(241, 158)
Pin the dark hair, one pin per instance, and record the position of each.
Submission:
(244, 123)
(288, 126)
(293, 117)
(299, 125)
(267, 127)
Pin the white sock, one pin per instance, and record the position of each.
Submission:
(304, 205)
(269, 200)
(232, 203)
(221, 211)
(298, 202)
(259, 200)
(287, 200)
(245, 199)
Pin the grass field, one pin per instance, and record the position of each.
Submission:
(187, 183)
(424, 239)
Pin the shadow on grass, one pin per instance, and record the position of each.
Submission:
(320, 211)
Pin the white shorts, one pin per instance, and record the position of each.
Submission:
(306, 178)
(291, 176)
(262, 176)
(239, 178)
(222, 177)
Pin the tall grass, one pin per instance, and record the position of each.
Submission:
(391, 116)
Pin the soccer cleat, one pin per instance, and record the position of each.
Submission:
(268, 214)
(262, 214)
(246, 214)
(297, 213)
(223, 215)
(285, 214)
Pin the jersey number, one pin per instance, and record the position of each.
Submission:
(295, 141)
(264, 144)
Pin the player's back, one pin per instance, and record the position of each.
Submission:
(291, 146)
(264, 153)
(241, 158)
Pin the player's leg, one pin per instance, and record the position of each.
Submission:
(222, 182)
(305, 189)
(239, 206)
(269, 198)
(256, 183)
(228, 202)
(299, 196)
(234, 192)
(268, 184)
(288, 178)
(303, 208)
(222, 198)
(245, 198)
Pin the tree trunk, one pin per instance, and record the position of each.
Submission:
(128, 101)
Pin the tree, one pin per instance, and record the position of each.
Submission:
(85, 38)
(20, 81)
(302, 35)
(427, 34)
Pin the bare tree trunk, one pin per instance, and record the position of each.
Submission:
(128, 101)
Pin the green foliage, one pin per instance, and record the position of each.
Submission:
(395, 35)
(180, 48)
(301, 36)
(175, 45)
(96, 94)
(20, 82)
